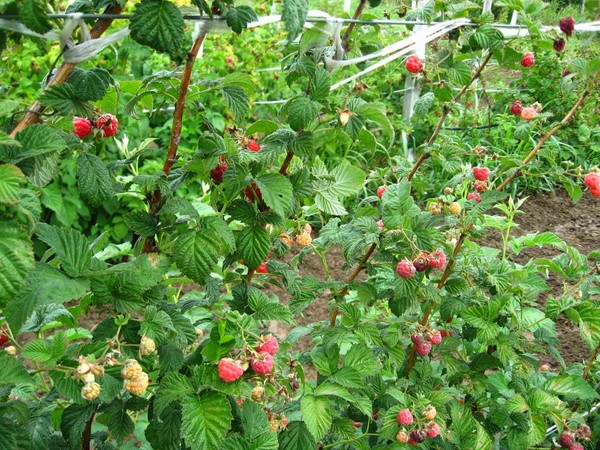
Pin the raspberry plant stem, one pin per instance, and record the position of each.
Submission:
(286, 162)
(348, 32)
(463, 235)
(154, 197)
(62, 73)
(426, 154)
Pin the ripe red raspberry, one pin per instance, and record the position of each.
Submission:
(268, 344)
(262, 364)
(592, 180)
(528, 113)
(566, 439)
(262, 268)
(423, 349)
(405, 269)
(217, 172)
(229, 370)
(3, 339)
(584, 431)
(252, 192)
(356, 424)
(253, 146)
(83, 127)
(567, 25)
(380, 224)
(528, 59)
(435, 337)
(421, 262)
(437, 259)
(414, 64)
(434, 430)
(516, 108)
(376, 415)
(544, 367)
(474, 196)
(381, 190)
(481, 173)
(595, 192)
(411, 441)
(559, 44)
(402, 436)
(576, 447)
(108, 124)
(418, 436)
(417, 339)
(405, 417)
(445, 333)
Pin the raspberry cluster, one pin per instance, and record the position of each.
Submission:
(592, 180)
(135, 380)
(260, 359)
(424, 341)
(87, 372)
(407, 268)
(107, 126)
(417, 435)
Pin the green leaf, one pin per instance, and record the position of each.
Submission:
(38, 140)
(73, 422)
(277, 191)
(141, 223)
(44, 315)
(70, 245)
(44, 285)
(158, 24)
(266, 308)
(239, 17)
(486, 36)
(348, 180)
(90, 85)
(253, 245)
(206, 420)
(362, 359)
(173, 387)
(320, 85)
(301, 111)
(34, 16)
(459, 73)
(156, 324)
(237, 100)
(164, 432)
(16, 258)
(38, 350)
(12, 371)
(424, 103)
(329, 203)
(262, 126)
(571, 386)
(195, 254)
(11, 178)
(63, 98)
(93, 180)
(256, 427)
(294, 16)
(296, 437)
(316, 414)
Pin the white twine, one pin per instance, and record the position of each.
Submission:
(92, 47)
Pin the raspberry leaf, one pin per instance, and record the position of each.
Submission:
(206, 420)
(239, 17)
(294, 16)
(93, 179)
(316, 413)
(158, 24)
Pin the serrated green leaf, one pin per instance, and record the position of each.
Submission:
(11, 178)
(253, 244)
(459, 73)
(38, 140)
(16, 258)
(63, 98)
(73, 422)
(34, 16)
(206, 420)
(571, 386)
(266, 308)
(276, 191)
(12, 371)
(195, 254)
(296, 437)
(90, 85)
(320, 84)
(316, 414)
(362, 359)
(237, 100)
(239, 17)
(294, 16)
(141, 223)
(158, 24)
(348, 180)
(93, 180)
(301, 111)
(70, 245)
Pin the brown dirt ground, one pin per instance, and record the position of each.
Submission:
(577, 224)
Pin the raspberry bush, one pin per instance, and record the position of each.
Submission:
(432, 340)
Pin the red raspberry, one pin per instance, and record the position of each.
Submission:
(423, 349)
(565, 73)
(544, 367)
(421, 262)
(480, 186)
(445, 333)
(576, 447)
(268, 344)
(217, 172)
(229, 370)
(481, 173)
(417, 339)
(380, 223)
(584, 431)
(595, 192)
(414, 64)
(405, 268)
(567, 25)
(405, 417)
(559, 44)
(376, 415)
(262, 364)
(437, 259)
(83, 127)
(356, 424)
(381, 190)
(108, 124)
(253, 146)
(434, 430)
(252, 192)
(418, 436)
(411, 441)
(516, 108)
(528, 59)
(3, 339)
(592, 180)
(528, 113)
(566, 439)
(435, 337)
(474, 196)
(262, 268)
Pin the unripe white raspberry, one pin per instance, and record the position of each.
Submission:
(137, 385)
(90, 391)
(147, 346)
(131, 369)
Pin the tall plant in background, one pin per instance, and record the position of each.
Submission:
(436, 343)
